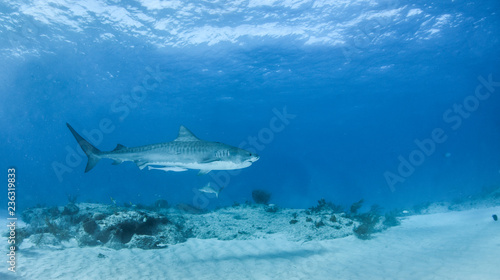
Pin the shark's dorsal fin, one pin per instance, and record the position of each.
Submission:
(185, 135)
(119, 147)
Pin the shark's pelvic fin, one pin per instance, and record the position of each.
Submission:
(141, 164)
(203, 172)
(91, 151)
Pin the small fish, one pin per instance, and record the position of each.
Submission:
(209, 189)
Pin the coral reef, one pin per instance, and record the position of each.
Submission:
(70, 209)
(271, 208)
(372, 221)
(161, 204)
(261, 196)
(487, 197)
(96, 224)
(157, 226)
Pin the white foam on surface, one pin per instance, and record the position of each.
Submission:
(452, 245)
(178, 24)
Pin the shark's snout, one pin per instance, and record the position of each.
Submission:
(254, 157)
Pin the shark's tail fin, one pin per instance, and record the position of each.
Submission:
(91, 151)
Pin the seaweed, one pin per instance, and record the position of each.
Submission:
(320, 207)
(391, 220)
(376, 209)
(368, 222)
(324, 205)
(356, 205)
(363, 231)
(57, 231)
(72, 198)
(337, 208)
(367, 218)
(70, 209)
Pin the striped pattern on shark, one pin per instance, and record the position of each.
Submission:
(185, 152)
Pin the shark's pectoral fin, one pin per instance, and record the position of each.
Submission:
(117, 161)
(203, 171)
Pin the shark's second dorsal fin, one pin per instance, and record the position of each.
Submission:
(185, 135)
(119, 147)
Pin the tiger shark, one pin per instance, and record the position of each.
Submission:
(185, 152)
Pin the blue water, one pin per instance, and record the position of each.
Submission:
(355, 84)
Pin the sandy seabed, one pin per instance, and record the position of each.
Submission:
(450, 245)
